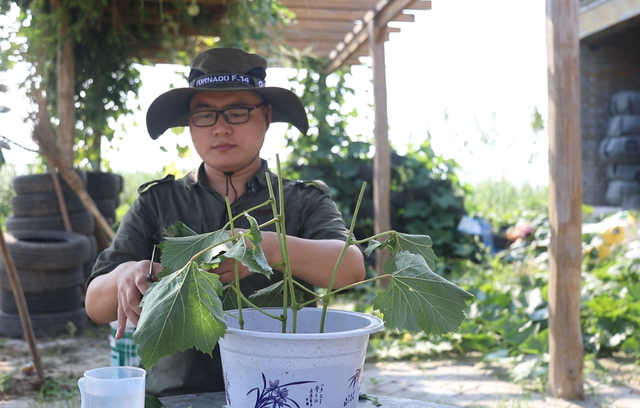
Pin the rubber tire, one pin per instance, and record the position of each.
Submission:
(44, 303)
(47, 249)
(631, 201)
(107, 207)
(42, 183)
(620, 150)
(625, 102)
(623, 125)
(103, 184)
(44, 325)
(618, 189)
(44, 204)
(43, 281)
(628, 172)
(81, 222)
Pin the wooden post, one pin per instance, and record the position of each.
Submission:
(21, 302)
(565, 199)
(382, 158)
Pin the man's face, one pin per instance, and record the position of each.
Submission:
(224, 146)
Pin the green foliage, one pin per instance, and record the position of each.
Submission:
(426, 193)
(244, 23)
(503, 203)
(7, 173)
(508, 322)
(6, 382)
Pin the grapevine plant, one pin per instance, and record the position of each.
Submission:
(186, 307)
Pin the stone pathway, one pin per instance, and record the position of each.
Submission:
(466, 383)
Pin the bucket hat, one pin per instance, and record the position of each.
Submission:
(224, 70)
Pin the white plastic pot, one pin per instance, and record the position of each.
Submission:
(264, 367)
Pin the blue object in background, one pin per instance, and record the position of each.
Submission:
(478, 226)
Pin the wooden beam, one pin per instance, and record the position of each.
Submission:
(565, 200)
(382, 158)
(303, 13)
(419, 5)
(310, 35)
(296, 36)
(311, 25)
(384, 12)
(331, 4)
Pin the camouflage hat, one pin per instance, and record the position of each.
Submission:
(224, 70)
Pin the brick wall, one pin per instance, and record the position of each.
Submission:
(607, 65)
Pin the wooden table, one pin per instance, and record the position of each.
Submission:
(217, 400)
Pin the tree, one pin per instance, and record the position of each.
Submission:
(98, 43)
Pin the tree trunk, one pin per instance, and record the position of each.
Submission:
(66, 88)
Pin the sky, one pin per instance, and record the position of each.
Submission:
(466, 73)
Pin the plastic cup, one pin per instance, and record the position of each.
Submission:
(113, 387)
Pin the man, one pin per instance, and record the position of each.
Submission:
(228, 110)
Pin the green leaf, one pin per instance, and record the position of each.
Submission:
(372, 246)
(151, 401)
(418, 299)
(252, 258)
(178, 251)
(179, 229)
(271, 296)
(416, 244)
(181, 311)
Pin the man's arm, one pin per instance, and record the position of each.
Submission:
(312, 261)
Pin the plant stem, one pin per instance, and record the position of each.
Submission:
(346, 246)
(371, 238)
(282, 242)
(236, 274)
(353, 285)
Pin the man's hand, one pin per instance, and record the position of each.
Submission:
(131, 283)
(226, 271)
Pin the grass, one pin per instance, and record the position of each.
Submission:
(501, 202)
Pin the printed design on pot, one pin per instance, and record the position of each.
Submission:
(353, 385)
(315, 396)
(276, 395)
(227, 384)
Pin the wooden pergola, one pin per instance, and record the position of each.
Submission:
(343, 31)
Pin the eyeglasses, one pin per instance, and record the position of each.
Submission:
(233, 116)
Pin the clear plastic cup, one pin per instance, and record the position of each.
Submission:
(113, 387)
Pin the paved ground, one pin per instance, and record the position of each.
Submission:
(459, 382)
(467, 383)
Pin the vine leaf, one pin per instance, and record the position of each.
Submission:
(179, 229)
(272, 296)
(397, 242)
(252, 257)
(418, 299)
(178, 251)
(181, 311)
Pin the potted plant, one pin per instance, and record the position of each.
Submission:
(275, 351)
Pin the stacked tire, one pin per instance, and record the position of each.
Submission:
(49, 266)
(105, 188)
(49, 261)
(620, 151)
